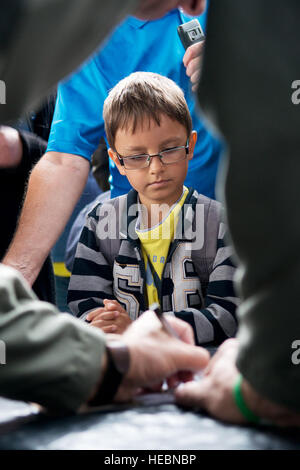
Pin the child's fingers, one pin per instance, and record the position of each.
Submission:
(106, 301)
(94, 313)
(109, 304)
(100, 321)
(109, 329)
(109, 315)
(112, 305)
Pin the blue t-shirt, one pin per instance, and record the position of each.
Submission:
(134, 45)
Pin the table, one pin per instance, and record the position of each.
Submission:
(146, 425)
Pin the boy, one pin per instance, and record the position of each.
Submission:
(164, 242)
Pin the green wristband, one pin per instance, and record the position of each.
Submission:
(240, 402)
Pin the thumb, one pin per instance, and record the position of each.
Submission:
(110, 304)
(191, 358)
(193, 394)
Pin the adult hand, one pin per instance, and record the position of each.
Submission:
(155, 355)
(192, 62)
(214, 392)
(112, 318)
(11, 148)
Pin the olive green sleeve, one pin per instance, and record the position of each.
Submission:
(50, 358)
(248, 93)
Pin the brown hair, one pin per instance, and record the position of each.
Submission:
(143, 95)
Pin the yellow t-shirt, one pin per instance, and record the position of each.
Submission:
(155, 243)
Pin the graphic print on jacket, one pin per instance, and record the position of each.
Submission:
(196, 284)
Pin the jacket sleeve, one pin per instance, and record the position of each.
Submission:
(215, 321)
(92, 278)
(54, 56)
(262, 185)
(46, 357)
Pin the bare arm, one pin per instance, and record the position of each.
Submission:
(54, 188)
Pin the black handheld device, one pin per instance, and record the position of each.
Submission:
(190, 33)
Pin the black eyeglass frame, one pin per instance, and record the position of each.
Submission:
(159, 154)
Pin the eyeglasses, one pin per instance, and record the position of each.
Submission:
(167, 157)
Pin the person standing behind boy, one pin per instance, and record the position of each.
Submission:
(135, 45)
(146, 255)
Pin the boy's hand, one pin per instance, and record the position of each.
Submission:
(112, 318)
(192, 62)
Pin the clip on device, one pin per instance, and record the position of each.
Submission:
(190, 33)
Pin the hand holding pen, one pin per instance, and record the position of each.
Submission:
(183, 376)
(158, 312)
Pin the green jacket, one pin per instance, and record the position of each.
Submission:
(42, 42)
(246, 86)
(50, 358)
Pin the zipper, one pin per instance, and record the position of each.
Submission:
(143, 273)
(172, 248)
(175, 242)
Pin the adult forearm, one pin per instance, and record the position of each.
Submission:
(54, 188)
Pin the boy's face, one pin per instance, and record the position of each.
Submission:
(157, 183)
